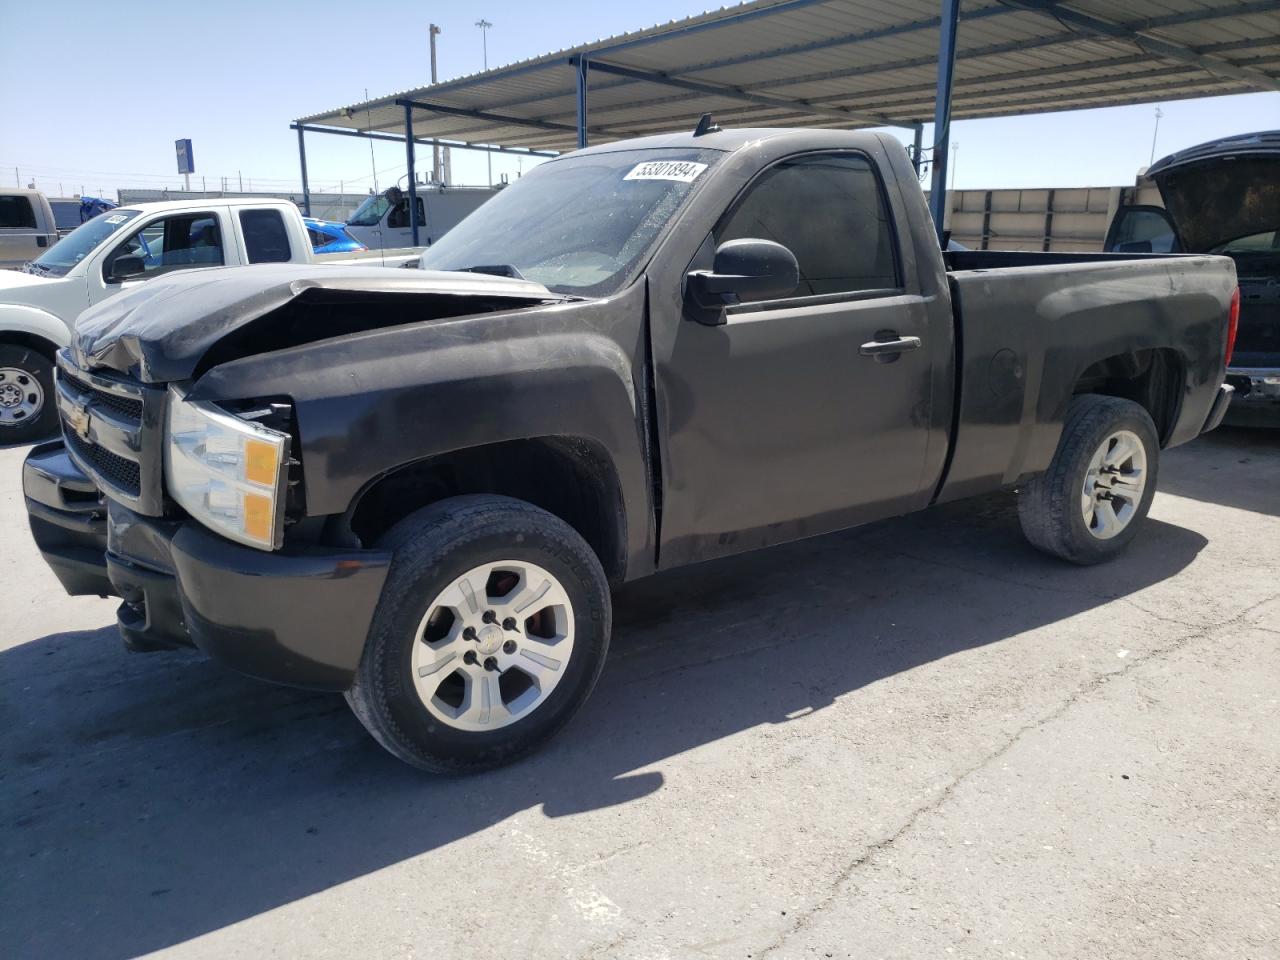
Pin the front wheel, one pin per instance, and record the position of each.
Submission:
(491, 632)
(27, 411)
(1093, 498)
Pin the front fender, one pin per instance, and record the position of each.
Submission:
(18, 318)
(370, 403)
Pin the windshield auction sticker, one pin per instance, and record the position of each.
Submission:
(682, 171)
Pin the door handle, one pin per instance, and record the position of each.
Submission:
(880, 348)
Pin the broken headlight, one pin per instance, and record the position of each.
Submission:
(228, 473)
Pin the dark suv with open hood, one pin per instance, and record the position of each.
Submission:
(1223, 197)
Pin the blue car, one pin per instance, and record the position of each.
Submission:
(329, 237)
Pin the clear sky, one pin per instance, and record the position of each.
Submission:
(93, 94)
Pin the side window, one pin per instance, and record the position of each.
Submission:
(827, 209)
(1141, 230)
(318, 239)
(399, 217)
(266, 239)
(172, 243)
(16, 214)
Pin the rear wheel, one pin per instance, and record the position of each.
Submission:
(491, 632)
(1093, 498)
(27, 411)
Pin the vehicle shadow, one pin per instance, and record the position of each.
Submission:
(1249, 456)
(152, 799)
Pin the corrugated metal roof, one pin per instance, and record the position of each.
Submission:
(851, 63)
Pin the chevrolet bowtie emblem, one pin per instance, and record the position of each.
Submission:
(78, 421)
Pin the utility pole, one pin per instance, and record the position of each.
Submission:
(432, 32)
(955, 149)
(1155, 133)
(484, 26)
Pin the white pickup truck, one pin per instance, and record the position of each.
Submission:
(116, 251)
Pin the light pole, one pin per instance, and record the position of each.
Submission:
(1155, 133)
(484, 26)
(955, 149)
(432, 32)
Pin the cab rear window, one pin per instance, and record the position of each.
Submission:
(266, 239)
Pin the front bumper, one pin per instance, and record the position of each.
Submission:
(297, 616)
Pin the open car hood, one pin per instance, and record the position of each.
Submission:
(1223, 190)
(172, 327)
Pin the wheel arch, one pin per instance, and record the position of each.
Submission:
(30, 327)
(572, 477)
(1152, 378)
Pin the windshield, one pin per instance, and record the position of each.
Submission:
(80, 242)
(369, 213)
(580, 225)
(1268, 242)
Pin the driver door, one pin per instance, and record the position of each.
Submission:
(399, 231)
(180, 241)
(784, 421)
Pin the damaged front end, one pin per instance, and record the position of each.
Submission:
(102, 502)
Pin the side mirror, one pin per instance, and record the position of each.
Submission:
(127, 267)
(745, 270)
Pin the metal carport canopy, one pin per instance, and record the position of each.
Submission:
(841, 63)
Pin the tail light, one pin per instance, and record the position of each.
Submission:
(1233, 323)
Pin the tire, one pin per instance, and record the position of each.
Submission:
(1054, 507)
(413, 691)
(27, 409)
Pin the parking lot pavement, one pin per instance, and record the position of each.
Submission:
(917, 739)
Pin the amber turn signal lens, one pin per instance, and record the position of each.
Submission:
(257, 517)
(260, 464)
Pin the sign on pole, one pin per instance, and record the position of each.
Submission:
(186, 159)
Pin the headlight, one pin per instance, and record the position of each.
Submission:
(226, 472)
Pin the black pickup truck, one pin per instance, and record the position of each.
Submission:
(1223, 197)
(418, 487)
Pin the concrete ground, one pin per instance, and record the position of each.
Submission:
(919, 739)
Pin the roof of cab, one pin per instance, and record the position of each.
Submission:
(716, 139)
(196, 203)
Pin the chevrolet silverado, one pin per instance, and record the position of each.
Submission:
(418, 487)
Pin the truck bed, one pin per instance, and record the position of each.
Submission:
(1026, 334)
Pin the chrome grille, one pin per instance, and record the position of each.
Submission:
(126, 406)
(112, 427)
(124, 474)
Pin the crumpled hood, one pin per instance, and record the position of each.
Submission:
(1223, 190)
(160, 331)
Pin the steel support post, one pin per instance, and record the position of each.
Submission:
(413, 180)
(580, 66)
(302, 162)
(942, 111)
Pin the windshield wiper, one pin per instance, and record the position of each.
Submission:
(494, 269)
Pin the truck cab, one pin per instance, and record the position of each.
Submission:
(27, 226)
(382, 222)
